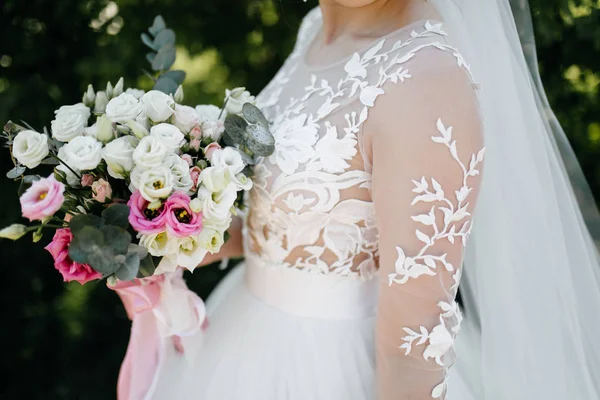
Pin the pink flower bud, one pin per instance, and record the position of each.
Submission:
(195, 144)
(196, 132)
(188, 159)
(87, 180)
(101, 191)
(210, 149)
(195, 174)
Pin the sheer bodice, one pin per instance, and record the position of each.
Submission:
(375, 172)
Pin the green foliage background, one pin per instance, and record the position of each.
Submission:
(66, 341)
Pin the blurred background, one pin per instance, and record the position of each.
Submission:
(64, 341)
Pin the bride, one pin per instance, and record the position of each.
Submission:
(379, 195)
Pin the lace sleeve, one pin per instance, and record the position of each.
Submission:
(424, 138)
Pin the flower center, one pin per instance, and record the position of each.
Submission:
(158, 185)
(151, 213)
(43, 196)
(183, 215)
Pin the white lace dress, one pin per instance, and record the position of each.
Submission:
(354, 235)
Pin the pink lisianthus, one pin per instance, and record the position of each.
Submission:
(146, 220)
(210, 149)
(42, 199)
(87, 180)
(196, 133)
(101, 191)
(188, 159)
(69, 269)
(181, 220)
(195, 174)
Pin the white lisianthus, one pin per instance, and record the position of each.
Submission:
(155, 183)
(118, 155)
(217, 205)
(211, 239)
(72, 178)
(137, 93)
(241, 182)
(213, 130)
(30, 148)
(101, 102)
(13, 232)
(170, 136)
(70, 122)
(159, 106)
(158, 244)
(236, 98)
(185, 118)
(208, 112)
(134, 178)
(180, 170)
(215, 179)
(104, 129)
(191, 253)
(150, 152)
(138, 127)
(91, 131)
(83, 153)
(123, 108)
(228, 158)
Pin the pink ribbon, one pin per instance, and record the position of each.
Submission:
(162, 309)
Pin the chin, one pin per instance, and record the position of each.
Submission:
(354, 3)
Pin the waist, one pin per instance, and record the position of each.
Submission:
(311, 295)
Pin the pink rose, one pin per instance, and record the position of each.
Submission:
(188, 159)
(195, 144)
(87, 180)
(69, 269)
(101, 191)
(210, 149)
(143, 219)
(181, 220)
(196, 133)
(195, 174)
(42, 199)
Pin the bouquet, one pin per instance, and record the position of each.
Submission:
(141, 183)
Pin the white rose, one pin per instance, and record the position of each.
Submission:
(213, 130)
(30, 148)
(159, 244)
(217, 205)
(155, 183)
(72, 176)
(180, 170)
(185, 118)
(78, 108)
(211, 239)
(159, 106)
(215, 179)
(228, 158)
(123, 108)
(170, 136)
(83, 153)
(68, 125)
(137, 93)
(118, 155)
(208, 112)
(236, 98)
(150, 152)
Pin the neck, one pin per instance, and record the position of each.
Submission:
(368, 20)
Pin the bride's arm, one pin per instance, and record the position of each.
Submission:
(424, 137)
(233, 248)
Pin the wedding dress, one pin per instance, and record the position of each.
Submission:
(354, 245)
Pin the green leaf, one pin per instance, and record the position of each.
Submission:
(164, 58)
(16, 172)
(147, 267)
(249, 172)
(227, 139)
(177, 75)
(157, 26)
(149, 42)
(78, 222)
(259, 140)
(103, 262)
(150, 57)
(235, 126)
(128, 270)
(86, 242)
(165, 37)
(166, 85)
(26, 183)
(116, 239)
(253, 115)
(117, 215)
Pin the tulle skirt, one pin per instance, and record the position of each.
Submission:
(253, 349)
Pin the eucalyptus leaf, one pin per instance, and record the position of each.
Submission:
(26, 183)
(16, 172)
(166, 85)
(253, 115)
(86, 243)
(259, 140)
(147, 267)
(164, 58)
(50, 161)
(149, 42)
(102, 262)
(138, 250)
(165, 37)
(117, 215)
(128, 270)
(249, 172)
(235, 126)
(248, 160)
(157, 26)
(177, 75)
(227, 139)
(78, 222)
(116, 239)
(150, 57)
